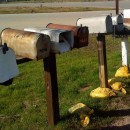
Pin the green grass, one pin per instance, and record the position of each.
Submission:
(23, 104)
(44, 9)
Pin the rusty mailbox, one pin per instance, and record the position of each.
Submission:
(61, 40)
(126, 13)
(26, 44)
(117, 22)
(96, 25)
(81, 34)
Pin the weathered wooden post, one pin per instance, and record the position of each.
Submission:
(51, 89)
(102, 27)
(101, 44)
(61, 41)
(117, 7)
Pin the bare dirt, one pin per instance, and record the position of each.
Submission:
(120, 109)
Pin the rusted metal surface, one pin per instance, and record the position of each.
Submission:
(26, 44)
(51, 89)
(117, 7)
(127, 23)
(81, 34)
(102, 24)
(102, 60)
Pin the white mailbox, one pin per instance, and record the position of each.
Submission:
(96, 25)
(126, 14)
(8, 66)
(61, 40)
(117, 22)
(26, 44)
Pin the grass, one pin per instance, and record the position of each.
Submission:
(43, 9)
(23, 103)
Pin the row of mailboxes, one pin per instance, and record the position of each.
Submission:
(36, 43)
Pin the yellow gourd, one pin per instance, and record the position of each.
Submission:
(122, 72)
(101, 92)
(83, 111)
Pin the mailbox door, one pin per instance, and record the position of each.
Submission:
(83, 37)
(8, 66)
(117, 22)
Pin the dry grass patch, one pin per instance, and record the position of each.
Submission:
(44, 9)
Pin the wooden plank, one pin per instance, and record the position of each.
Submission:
(51, 89)
(102, 60)
(125, 51)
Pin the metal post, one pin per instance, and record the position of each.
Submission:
(117, 7)
(51, 89)
(102, 60)
(124, 48)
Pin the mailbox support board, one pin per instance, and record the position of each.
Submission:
(102, 60)
(51, 89)
(124, 47)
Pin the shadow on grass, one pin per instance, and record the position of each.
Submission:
(112, 113)
(125, 127)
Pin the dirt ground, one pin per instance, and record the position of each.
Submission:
(121, 111)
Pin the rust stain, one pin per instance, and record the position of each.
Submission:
(26, 44)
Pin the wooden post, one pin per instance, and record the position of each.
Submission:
(102, 60)
(117, 7)
(51, 89)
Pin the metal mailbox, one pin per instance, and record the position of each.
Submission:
(81, 34)
(26, 44)
(61, 40)
(126, 14)
(117, 22)
(96, 25)
(8, 66)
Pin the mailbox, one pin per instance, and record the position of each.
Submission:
(81, 34)
(8, 66)
(117, 22)
(126, 13)
(26, 44)
(96, 25)
(61, 40)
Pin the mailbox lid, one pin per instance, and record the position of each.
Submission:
(102, 24)
(74, 29)
(61, 40)
(117, 22)
(26, 44)
(8, 66)
(80, 33)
